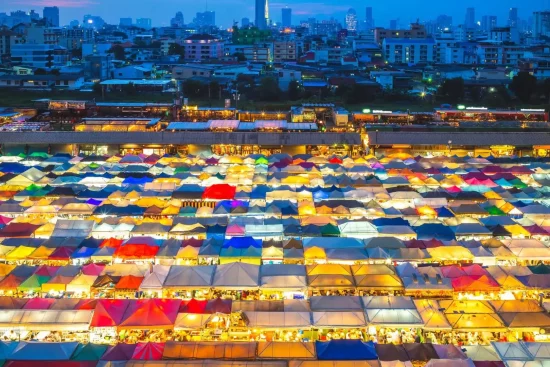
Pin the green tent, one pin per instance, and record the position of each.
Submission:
(33, 187)
(89, 352)
(188, 211)
(40, 155)
(330, 230)
(182, 169)
(540, 269)
(493, 210)
(33, 283)
(262, 160)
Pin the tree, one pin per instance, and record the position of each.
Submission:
(118, 52)
(269, 90)
(294, 90)
(175, 49)
(120, 34)
(40, 71)
(97, 89)
(523, 85)
(76, 53)
(452, 90)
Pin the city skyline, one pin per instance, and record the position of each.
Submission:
(162, 11)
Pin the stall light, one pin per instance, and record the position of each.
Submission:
(532, 110)
(477, 108)
(367, 110)
(381, 111)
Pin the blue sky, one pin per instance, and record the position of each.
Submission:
(226, 10)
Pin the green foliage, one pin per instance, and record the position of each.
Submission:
(118, 52)
(269, 90)
(523, 85)
(294, 90)
(452, 90)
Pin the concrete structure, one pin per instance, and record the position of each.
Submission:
(261, 14)
(504, 34)
(144, 23)
(51, 16)
(416, 31)
(470, 19)
(488, 22)
(541, 26)
(63, 81)
(202, 47)
(284, 51)
(351, 20)
(125, 22)
(286, 17)
(405, 51)
(39, 55)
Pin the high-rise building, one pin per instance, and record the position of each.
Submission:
(205, 19)
(93, 21)
(125, 22)
(541, 24)
(245, 22)
(74, 23)
(144, 23)
(261, 13)
(513, 17)
(369, 21)
(488, 22)
(51, 16)
(351, 20)
(444, 22)
(470, 20)
(394, 24)
(34, 15)
(177, 21)
(286, 14)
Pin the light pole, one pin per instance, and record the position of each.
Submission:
(236, 97)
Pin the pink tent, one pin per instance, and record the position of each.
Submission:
(93, 269)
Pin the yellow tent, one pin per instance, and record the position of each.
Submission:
(315, 253)
(20, 253)
(41, 253)
(450, 253)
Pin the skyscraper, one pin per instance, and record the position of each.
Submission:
(513, 17)
(261, 14)
(369, 21)
(351, 20)
(205, 19)
(51, 16)
(286, 14)
(541, 26)
(470, 21)
(245, 22)
(144, 23)
(177, 21)
(488, 22)
(125, 22)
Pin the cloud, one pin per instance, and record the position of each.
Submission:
(59, 3)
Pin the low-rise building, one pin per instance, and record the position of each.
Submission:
(284, 51)
(39, 55)
(63, 81)
(409, 51)
(202, 47)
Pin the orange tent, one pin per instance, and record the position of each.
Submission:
(151, 314)
(129, 282)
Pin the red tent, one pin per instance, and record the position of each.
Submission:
(111, 242)
(93, 269)
(218, 305)
(193, 242)
(335, 160)
(151, 314)
(474, 269)
(51, 363)
(109, 312)
(219, 192)
(18, 230)
(475, 284)
(47, 271)
(11, 282)
(452, 271)
(86, 304)
(136, 252)
(5, 220)
(119, 352)
(129, 282)
(193, 306)
(39, 304)
(12, 303)
(148, 351)
(61, 253)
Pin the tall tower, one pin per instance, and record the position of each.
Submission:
(470, 21)
(262, 13)
(286, 17)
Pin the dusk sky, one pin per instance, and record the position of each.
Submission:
(226, 10)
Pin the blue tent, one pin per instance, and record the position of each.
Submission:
(345, 350)
(444, 213)
(83, 253)
(433, 230)
(242, 242)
